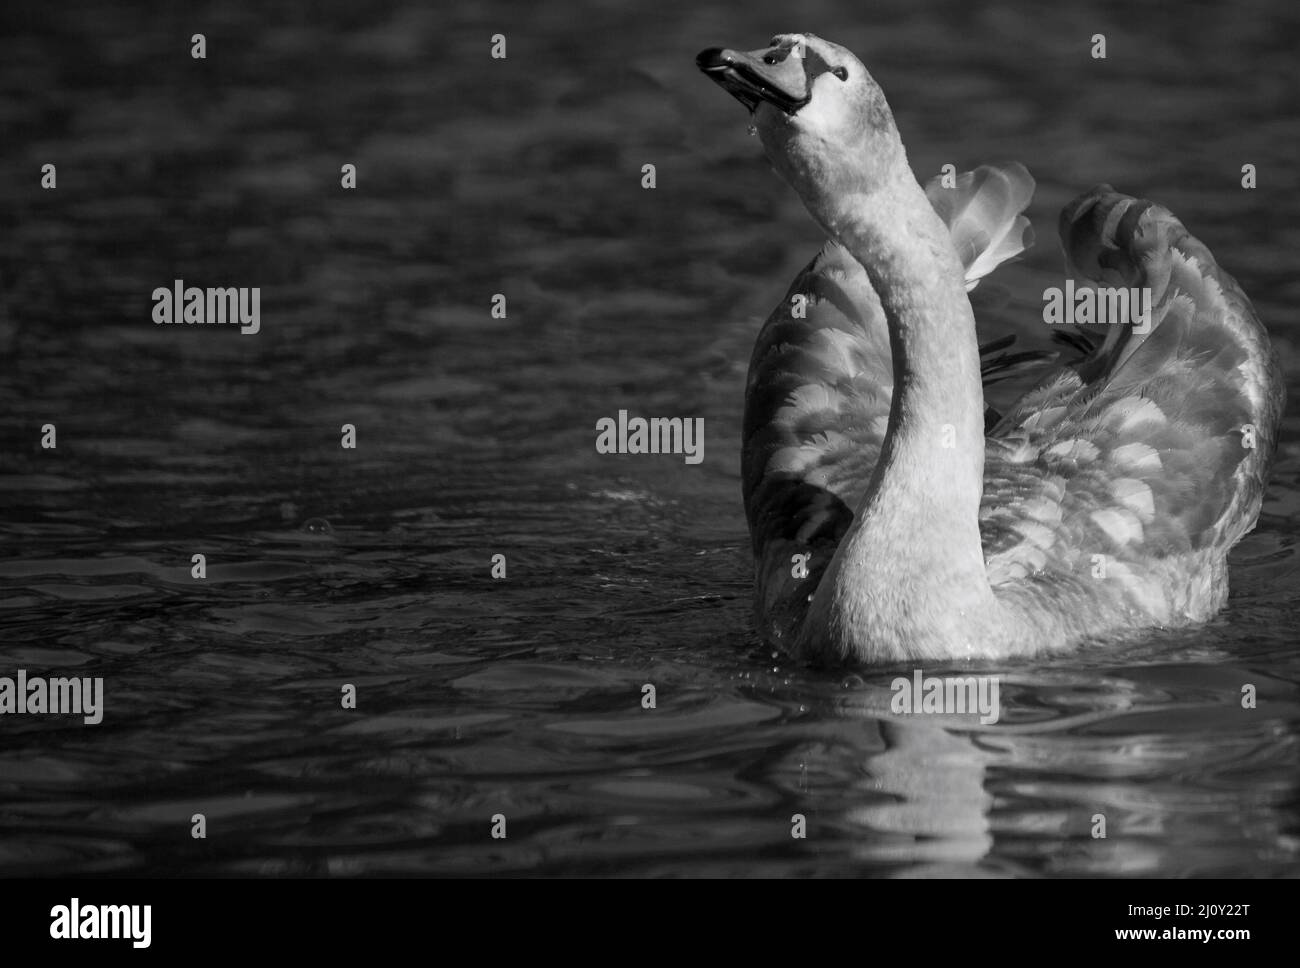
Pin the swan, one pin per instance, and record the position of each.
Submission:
(893, 519)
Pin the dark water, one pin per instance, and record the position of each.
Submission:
(476, 437)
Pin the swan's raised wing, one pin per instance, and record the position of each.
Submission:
(821, 383)
(983, 210)
(1143, 463)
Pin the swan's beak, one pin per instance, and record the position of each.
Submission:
(772, 74)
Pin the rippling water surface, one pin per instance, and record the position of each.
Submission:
(476, 437)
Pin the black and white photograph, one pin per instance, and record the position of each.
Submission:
(692, 441)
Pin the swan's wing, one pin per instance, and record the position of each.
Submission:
(1152, 451)
(816, 408)
(821, 381)
(983, 213)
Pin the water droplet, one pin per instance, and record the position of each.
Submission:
(753, 130)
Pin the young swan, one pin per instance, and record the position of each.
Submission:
(1103, 503)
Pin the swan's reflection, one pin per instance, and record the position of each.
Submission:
(938, 811)
(925, 802)
(1158, 756)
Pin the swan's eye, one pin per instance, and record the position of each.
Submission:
(841, 72)
(769, 58)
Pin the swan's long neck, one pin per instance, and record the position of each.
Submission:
(909, 577)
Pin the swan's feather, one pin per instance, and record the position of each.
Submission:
(1130, 467)
(1126, 467)
(820, 386)
(816, 409)
(982, 211)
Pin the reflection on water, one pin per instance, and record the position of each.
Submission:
(524, 696)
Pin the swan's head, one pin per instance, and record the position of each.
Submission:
(823, 120)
